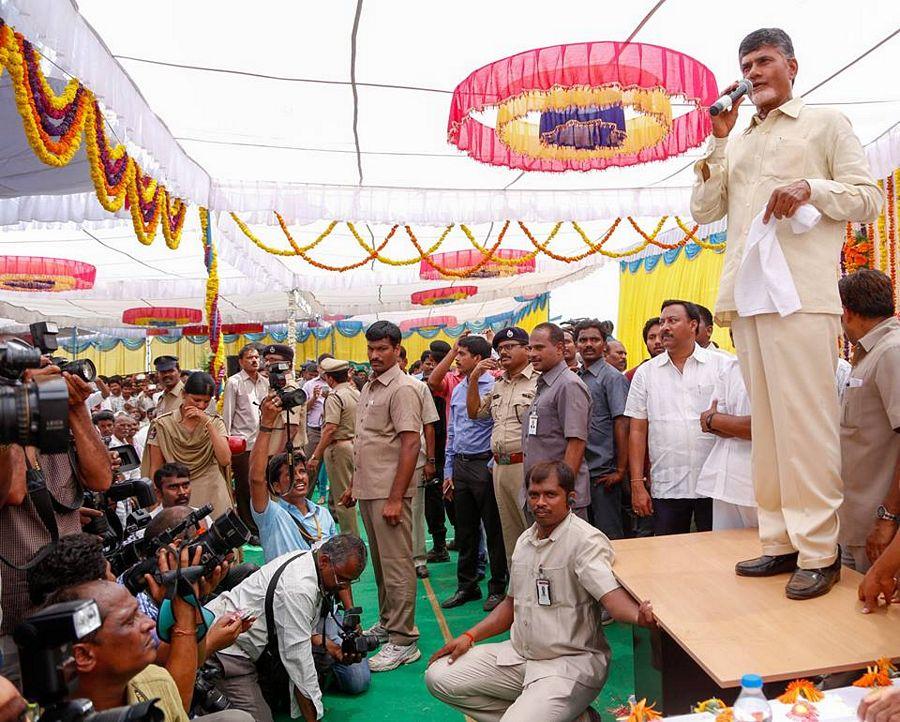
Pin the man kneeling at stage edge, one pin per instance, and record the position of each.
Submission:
(557, 658)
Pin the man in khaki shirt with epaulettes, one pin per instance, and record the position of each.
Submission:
(507, 404)
(336, 442)
(790, 155)
(385, 456)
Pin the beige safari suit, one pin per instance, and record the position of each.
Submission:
(340, 410)
(789, 363)
(557, 658)
(388, 406)
(507, 404)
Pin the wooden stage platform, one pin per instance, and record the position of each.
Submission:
(716, 626)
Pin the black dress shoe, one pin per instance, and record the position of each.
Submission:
(492, 601)
(438, 555)
(422, 572)
(767, 566)
(811, 583)
(461, 597)
(451, 545)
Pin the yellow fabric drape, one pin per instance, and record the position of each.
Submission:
(642, 293)
(120, 360)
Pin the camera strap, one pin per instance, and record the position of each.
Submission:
(271, 633)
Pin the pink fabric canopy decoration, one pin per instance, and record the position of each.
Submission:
(434, 322)
(429, 270)
(35, 273)
(441, 296)
(161, 316)
(579, 69)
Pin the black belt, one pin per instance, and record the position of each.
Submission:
(481, 456)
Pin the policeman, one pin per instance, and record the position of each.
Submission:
(507, 404)
(557, 658)
(169, 376)
(296, 417)
(336, 444)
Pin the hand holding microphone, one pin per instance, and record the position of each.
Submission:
(724, 111)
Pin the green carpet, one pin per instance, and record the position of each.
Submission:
(401, 694)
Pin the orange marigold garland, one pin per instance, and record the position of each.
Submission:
(801, 689)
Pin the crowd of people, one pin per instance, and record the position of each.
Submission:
(526, 451)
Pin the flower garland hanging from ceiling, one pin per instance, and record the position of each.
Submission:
(55, 125)
(584, 106)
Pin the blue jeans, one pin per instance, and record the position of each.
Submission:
(348, 678)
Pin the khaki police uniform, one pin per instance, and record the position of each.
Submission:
(168, 401)
(429, 416)
(388, 406)
(557, 658)
(507, 404)
(340, 410)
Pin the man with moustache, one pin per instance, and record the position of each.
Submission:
(791, 156)
(667, 396)
(507, 404)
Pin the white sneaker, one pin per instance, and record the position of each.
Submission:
(378, 630)
(391, 656)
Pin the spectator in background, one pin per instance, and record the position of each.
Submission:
(198, 440)
(115, 399)
(558, 421)
(316, 390)
(105, 422)
(870, 420)
(616, 355)
(607, 445)
(667, 396)
(705, 327)
(244, 392)
(570, 351)
(652, 334)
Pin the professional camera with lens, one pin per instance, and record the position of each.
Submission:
(352, 640)
(290, 398)
(226, 534)
(45, 655)
(207, 698)
(108, 527)
(44, 336)
(34, 413)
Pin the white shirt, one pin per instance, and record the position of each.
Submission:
(116, 403)
(240, 409)
(297, 604)
(672, 402)
(842, 377)
(726, 474)
(140, 439)
(315, 409)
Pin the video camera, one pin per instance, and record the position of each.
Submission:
(290, 398)
(44, 336)
(108, 527)
(36, 413)
(44, 640)
(226, 534)
(354, 641)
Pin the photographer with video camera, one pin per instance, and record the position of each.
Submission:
(274, 663)
(43, 475)
(279, 358)
(115, 662)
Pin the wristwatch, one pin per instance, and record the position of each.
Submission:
(883, 513)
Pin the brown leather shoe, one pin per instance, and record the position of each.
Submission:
(811, 583)
(767, 566)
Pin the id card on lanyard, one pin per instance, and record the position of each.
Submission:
(542, 587)
(532, 423)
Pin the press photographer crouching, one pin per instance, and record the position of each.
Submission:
(114, 663)
(43, 475)
(274, 665)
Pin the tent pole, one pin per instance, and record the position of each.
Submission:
(148, 352)
(293, 295)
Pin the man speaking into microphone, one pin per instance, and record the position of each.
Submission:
(789, 183)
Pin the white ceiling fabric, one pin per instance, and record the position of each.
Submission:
(251, 108)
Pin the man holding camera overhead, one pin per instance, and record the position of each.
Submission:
(295, 419)
(40, 498)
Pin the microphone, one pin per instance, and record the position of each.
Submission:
(724, 103)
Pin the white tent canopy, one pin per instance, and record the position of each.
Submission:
(293, 107)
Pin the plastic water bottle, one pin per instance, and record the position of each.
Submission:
(751, 704)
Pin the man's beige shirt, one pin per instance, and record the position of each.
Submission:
(507, 404)
(566, 638)
(169, 400)
(794, 142)
(340, 410)
(389, 405)
(240, 408)
(870, 420)
(429, 416)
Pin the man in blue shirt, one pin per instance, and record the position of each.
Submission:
(468, 477)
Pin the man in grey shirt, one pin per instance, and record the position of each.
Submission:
(607, 445)
(556, 425)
